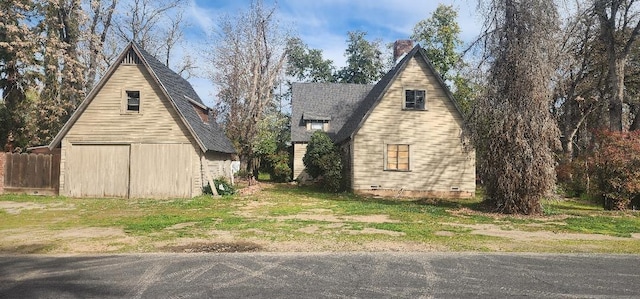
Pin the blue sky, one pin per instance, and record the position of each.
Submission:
(323, 24)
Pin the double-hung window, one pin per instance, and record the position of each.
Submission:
(133, 101)
(414, 99)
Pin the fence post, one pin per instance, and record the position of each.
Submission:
(2, 162)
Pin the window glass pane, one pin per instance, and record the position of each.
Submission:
(414, 99)
(420, 99)
(316, 125)
(133, 100)
(410, 101)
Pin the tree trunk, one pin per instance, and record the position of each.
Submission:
(616, 81)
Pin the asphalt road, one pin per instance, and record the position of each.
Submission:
(330, 275)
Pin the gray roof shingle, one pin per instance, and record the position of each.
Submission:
(334, 102)
(209, 133)
(347, 104)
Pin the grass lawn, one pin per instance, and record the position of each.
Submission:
(283, 217)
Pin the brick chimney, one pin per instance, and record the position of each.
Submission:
(400, 48)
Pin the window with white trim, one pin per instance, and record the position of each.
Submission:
(414, 99)
(397, 157)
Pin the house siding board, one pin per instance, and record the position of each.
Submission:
(438, 160)
(209, 134)
(217, 165)
(299, 149)
(105, 121)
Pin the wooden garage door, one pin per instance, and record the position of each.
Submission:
(97, 171)
(161, 170)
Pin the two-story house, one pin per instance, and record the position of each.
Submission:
(403, 136)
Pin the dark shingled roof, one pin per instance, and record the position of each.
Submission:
(323, 101)
(210, 134)
(348, 105)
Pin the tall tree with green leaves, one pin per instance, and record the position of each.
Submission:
(365, 64)
(513, 131)
(439, 35)
(308, 65)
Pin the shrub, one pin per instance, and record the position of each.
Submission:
(207, 189)
(281, 171)
(222, 187)
(616, 168)
(323, 160)
(573, 176)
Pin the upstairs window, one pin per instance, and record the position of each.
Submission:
(133, 101)
(316, 125)
(414, 99)
(398, 157)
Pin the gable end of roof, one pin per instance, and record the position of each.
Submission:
(181, 95)
(372, 99)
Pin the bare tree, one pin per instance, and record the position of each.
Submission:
(247, 58)
(145, 22)
(100, 19)
(580, 83)
(513, 130)
(619, 29)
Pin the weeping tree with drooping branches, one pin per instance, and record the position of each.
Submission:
(511, 124)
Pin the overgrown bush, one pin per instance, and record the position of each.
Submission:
(280, 170)
(223, 187)
(615, 162)
(323, 160)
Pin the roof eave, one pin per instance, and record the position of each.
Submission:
(171, 100)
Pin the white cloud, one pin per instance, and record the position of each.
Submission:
(201, 16)
(323, 24)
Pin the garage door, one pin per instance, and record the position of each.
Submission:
(161, 170)
(97, 171)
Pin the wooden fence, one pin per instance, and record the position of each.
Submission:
(30, 173)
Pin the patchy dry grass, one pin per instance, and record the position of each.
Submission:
(290, 218)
